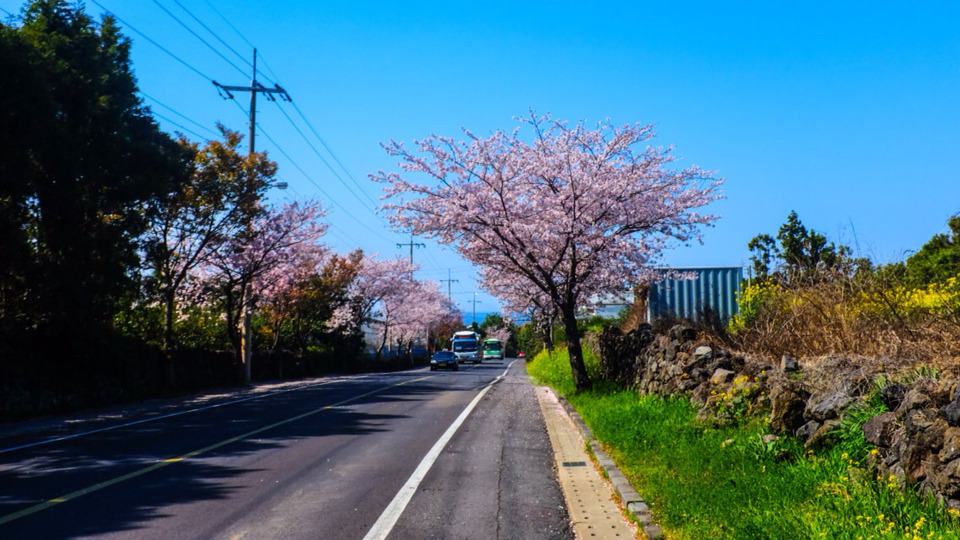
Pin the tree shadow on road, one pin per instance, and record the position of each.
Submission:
(122, 479)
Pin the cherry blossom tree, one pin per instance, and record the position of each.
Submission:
(265, 263)
(422, 307)
(379, 286)
(570, 212)
(193, 219)
(395, 304)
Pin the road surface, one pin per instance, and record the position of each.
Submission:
(343, 457)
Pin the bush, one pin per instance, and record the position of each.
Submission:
(839, 314)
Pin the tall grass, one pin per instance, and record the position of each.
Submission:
(706, 482)
(837, 314)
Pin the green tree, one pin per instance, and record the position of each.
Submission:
(80, 156)
(938, 259)
(191, 219)
(490, 322)
(797, 254)
(312, 307)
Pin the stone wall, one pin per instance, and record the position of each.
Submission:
(917, 442)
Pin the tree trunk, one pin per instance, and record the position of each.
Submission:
(580, 377)
(168, 373)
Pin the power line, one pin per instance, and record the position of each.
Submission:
(245, 40)
(316, 185)
(215, 35)
(144, 36)
(332, 153)
(196, 35)
(181, 126)
(323, 159)
(181, 115)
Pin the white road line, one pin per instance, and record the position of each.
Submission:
(395, 509)
(177, 459)
(152, 419)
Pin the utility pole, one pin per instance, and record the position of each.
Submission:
(412, 244)
(449, 282)
(475, 309)
(246, 341)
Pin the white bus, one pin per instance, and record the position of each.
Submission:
(464, 346)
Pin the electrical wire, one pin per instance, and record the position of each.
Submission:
(181, 126)
(323, 159)
(218, 38)
(196, 35)
(317, 185)
(332, 153)
(174, 111)
(245, 40)
(144, 36)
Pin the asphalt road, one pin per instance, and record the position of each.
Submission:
(327, 458)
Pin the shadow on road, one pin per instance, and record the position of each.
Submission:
(191, 454)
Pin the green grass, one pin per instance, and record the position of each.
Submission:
(706, 482)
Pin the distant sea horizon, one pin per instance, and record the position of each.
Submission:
(481, 315)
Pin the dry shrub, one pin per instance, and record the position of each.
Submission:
(842, 315)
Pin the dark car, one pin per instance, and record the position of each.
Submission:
(445, 360)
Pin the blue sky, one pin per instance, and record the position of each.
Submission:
(847, 112)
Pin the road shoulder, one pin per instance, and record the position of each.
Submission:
(591, 500)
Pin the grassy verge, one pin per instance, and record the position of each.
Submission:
(707, 482)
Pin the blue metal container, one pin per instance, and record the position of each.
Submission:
(713, 291)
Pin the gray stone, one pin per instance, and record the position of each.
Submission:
(806, 431)
(879, 430)
(824, 435)
(892, 395)
(914, 398)
(947, 480)
(702, 354)
(918, 420)
(683, 333)
(828, 404)
(951, 445)
(951, 411)
(722, 376)
(787, 402)
(789, 365)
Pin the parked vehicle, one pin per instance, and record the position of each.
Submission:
(444, 360)
(493, 349)
(464, 346)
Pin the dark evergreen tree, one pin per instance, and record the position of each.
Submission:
(79, 158)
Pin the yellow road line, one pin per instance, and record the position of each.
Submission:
(163, 463)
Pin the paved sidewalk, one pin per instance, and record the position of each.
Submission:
(590, 498)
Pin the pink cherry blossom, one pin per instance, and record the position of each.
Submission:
(560, 216)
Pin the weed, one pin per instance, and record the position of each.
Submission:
(730, 482)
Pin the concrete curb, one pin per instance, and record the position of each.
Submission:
(629, 496)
